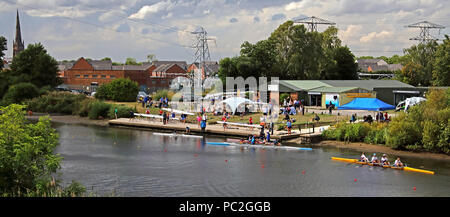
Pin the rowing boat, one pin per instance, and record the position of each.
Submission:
(174, 134)
(259, 146)
(356, 161)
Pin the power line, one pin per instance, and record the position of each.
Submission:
(99, 26)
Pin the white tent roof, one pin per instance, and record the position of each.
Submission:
(234, 102)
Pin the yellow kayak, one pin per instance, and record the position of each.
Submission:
(384, 166)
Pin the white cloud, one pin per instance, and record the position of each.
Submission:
(350, 33)
(61, 12)
(152, 9)
(293, 6)
(302, 5)
(383, 35)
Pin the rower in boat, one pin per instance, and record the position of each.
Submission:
(375, 159)
(276, 142)
(398, 163)
(252, 141)
(188, 130)
(384, 160)
(364, 158)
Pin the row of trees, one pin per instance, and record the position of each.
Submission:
(291, 52)
(395, 59)
(128, 61)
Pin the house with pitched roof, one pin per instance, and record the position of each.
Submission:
(376, 65)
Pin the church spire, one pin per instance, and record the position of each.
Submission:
(18, 44)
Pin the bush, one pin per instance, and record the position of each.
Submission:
(122, 111)
(45, 90)
(98, 110)
(84, 107)
(19, 92)
(56, 102)
(403, 133)
(27, 156)
(377, 133)
(120, 90)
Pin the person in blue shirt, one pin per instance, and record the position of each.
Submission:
(253, 140)
(268, 137)
(203, 126)
(289, 126)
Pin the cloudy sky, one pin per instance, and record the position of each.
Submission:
(119, 29)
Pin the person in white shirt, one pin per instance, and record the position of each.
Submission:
(364, 158)
(398, 163)
(375, 158)
(384, 160)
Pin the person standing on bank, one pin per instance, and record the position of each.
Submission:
(203, 126)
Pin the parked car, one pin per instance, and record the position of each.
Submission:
(61, 89)
(409, 102)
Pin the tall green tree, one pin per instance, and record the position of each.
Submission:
(345, 67)
(3, 47)
(420, 61)
(151, 58)
(131, 61)
(441, 70)
(36, 66)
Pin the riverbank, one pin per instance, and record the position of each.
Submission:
(69, 119)
(370, 148)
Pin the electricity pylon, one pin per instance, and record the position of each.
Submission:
(313, 21)
(425, 28)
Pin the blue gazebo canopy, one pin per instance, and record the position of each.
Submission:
(370, 104)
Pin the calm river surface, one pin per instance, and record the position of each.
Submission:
(133, 162)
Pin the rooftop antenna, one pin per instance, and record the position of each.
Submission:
(313, 21)
(425, 28)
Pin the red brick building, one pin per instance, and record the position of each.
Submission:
(88, 74)
(212, 68)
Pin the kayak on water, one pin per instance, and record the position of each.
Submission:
(258, 146)
(405, 168)
(256, 141)
(175, 134)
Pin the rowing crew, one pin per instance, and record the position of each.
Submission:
(382, 161)
(253, 140)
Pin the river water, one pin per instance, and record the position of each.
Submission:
(130, 162)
